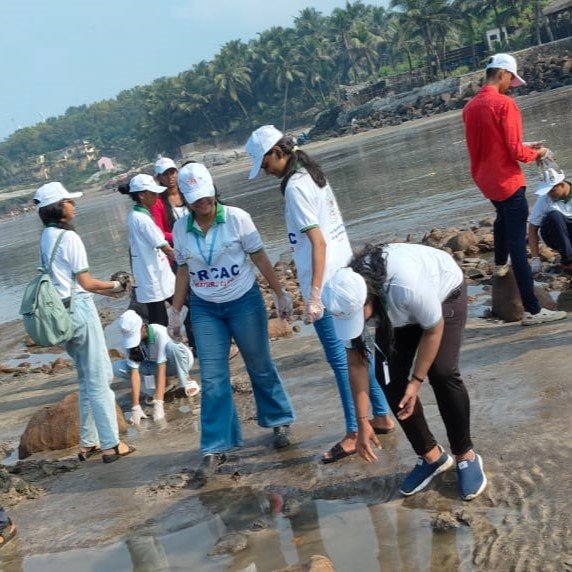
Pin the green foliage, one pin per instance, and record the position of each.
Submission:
(275, 78)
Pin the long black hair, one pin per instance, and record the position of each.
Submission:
(299, 159)
(52, 215)
(124, 190)
(370, 263)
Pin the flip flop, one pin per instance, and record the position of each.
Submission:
(89, 452)
(7, 533)
(336, 454)
(382, 431)
(114, 456)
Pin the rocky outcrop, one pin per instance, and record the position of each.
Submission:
(56, 427)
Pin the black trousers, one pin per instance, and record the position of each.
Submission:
(157, 313)
(444, 377)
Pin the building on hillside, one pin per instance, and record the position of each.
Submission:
(106, 164)
(559, 16)
(38, 169)
(493, 37)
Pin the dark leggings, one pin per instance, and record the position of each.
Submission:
(444, 377)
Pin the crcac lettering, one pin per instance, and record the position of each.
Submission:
(217, 273)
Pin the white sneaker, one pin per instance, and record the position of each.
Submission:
(501, 270)
(158, 411)
(543, 316)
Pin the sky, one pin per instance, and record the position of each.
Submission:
(62, 53)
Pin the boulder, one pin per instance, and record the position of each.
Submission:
(278, 328)
(507, 304)
(57, 427)
(564, 301)
(316, 563)
(465, 241)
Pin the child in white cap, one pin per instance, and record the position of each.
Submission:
(151, 356)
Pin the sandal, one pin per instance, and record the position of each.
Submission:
(7, 533)
(337, 453)
(383, 431)
(114, 456)
(85, 454)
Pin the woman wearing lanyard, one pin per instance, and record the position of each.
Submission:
(215, 248)
(417, 297)
(154, 279)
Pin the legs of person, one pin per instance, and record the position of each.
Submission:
(380, 408)
(515, 215)
(501, 248)
(337, 358)
(415, 427)
(94, 373)
(179, 361)
(158, 313)
(445, 379)
(557, 233)
(249, 327)
(220, 427)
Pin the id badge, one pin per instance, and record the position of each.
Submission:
(149, 381)
(386, 373)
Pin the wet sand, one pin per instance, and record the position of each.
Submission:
(287, 505)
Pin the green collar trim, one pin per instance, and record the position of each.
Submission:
(220, 218)
(151, 336)
(141, 209)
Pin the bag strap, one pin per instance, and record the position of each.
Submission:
(49, 267)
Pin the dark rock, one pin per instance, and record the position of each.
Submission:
(230, 544)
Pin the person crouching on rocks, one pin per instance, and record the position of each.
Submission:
(552, 215)
(70, 275)
(216, 249)
(150, 358)
(417, 298)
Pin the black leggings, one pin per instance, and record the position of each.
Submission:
(444, 377)
(157, 313)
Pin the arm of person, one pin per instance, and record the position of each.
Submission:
(533, 240)
(135, 386)
(161, 381)
(91, 284)
(359, 382)
(181, 287)
(168, 250)
(318, 242)
(263, 264)
(511, 123)
(426, 354)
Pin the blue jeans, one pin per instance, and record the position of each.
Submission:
(338, 360)
(4, 520)
(179, 364)
(97, 414)
(214, 325)
(556, 231)
(510, 238)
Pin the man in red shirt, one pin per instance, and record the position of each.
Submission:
(493, 129)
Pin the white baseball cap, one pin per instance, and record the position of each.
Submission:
(195, 182)
(130, 326)
(550, 178)
(259, 143)
(164, 164)
(51, 193)
(508, 63)
(140, 183)
(344, 296)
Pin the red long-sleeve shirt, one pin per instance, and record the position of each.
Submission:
(159, 215)
(493, 129)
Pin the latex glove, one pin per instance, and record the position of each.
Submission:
(192, 388)
(536, 265)
(176, 320)
(117, 287)
(137, 414)
(314, 309)
(158, 410)
(283, 304)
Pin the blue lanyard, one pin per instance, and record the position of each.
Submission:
(211, 250)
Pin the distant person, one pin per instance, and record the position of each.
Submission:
(151, 356)
(7, 528)
(320, 244)
(154, 279)
(417, 297)
(493, 128)
(217, 248)
(70, 275)
(552, 216)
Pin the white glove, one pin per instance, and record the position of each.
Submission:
(536, 265)
(283, 304)
(137, 414)
(314, 309)
(117, 287)
(192, 388)
(158, 410)
(176, 320)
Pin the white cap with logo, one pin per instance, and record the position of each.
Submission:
(344, 296)
(259, 143)
(130, 327)
(51, 193)
(508, 63)
(164, 164)
(195, 182)
(550, 178)
(140, 183)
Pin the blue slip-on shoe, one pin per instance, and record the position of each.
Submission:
(472, 478)
(423, 473)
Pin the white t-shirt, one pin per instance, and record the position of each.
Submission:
(154, 347)
(154, 279)
(309, 206)
(69, 261)
(545, 204)
(219, 264)
(419, 279)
